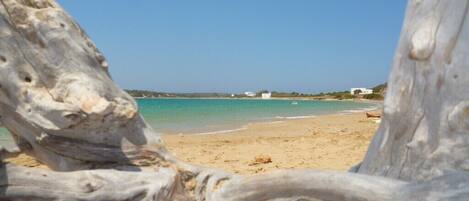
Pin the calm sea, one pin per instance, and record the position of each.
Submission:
(175, 116)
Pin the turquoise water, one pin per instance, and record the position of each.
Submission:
(5, 138)
(209, 115)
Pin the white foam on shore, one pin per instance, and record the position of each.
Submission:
(359, 110)
(296, 117)
(232, 130)
(218, 132)
(282, 117)
(273, 122)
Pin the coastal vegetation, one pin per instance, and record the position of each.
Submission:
(373, 96)
(380, 89)
(378, 94)
(154, 94)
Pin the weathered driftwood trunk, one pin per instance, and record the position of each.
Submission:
(61, 106)
(425, 128)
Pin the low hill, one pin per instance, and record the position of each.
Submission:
(378, 94)
(154, 94)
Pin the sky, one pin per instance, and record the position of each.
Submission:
(233, 46)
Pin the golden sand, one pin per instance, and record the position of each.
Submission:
(329, 142)
(25, 160)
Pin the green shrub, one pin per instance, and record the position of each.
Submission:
(380, 88)
(348, 96)
(344, 96)
(373, 96)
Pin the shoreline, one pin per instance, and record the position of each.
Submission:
(374, 108)
(7, 140)
(327, 142)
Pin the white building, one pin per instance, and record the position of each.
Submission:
(362, 91)
(250, 94)
(266, 95)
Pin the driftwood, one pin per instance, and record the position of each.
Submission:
(61, 106)
(370, 115)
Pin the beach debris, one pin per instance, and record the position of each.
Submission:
(230, 160)
(371, 115)
(261, 159)
(315, 132)
(261, 169)
(218, 157)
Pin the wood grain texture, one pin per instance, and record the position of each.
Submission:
(424, 132)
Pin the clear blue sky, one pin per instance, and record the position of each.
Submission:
(243, 45)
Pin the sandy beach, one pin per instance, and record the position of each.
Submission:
(328, 142)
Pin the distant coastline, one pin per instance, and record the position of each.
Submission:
(273, 98)
(377, 95)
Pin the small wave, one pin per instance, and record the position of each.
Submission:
(360, 110)
(274, 122)
(296, 117)
(221, 131)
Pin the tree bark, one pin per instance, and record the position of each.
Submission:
(61, 106)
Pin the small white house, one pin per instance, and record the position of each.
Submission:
(266, 95)
(250, 94)
(363, 91)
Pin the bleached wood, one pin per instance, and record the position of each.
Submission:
(425, 128)
(18, 183)
(54, 82)
(61, 106)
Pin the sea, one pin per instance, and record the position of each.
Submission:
(208, 116)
